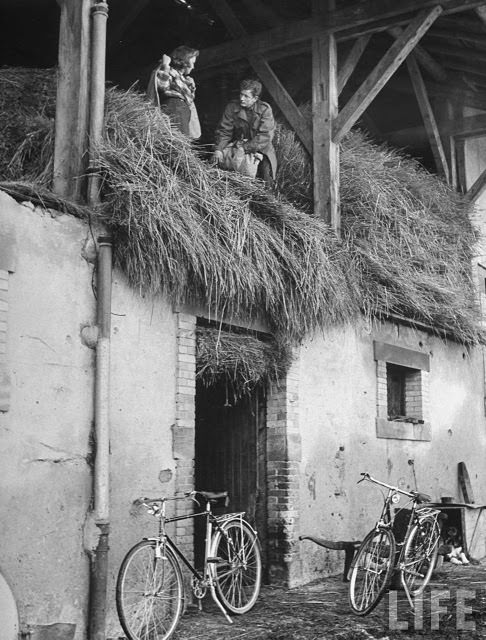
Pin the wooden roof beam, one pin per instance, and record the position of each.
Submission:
(428, 117)
(346, 21)
(383, 71)
(352, 60)
(425, 60)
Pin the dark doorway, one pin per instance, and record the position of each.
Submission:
(230, 451)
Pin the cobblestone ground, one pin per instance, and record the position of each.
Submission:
(454, 606)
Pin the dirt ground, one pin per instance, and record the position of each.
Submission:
(453, 606)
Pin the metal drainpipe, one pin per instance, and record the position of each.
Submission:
(99, 553)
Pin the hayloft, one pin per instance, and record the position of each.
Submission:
(165, 324)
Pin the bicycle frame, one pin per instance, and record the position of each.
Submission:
(212, 523)
(386, 519)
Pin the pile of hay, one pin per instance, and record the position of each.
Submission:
(203, 235)
(242, 359)
(409, 233)
(27, 111)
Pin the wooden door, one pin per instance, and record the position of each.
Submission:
(230, 450)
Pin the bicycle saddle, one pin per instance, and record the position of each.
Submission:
(212, 495)
(421, 497)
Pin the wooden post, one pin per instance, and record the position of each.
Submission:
(324, 111)
(428, 117)
(72, 99)
(461, 165)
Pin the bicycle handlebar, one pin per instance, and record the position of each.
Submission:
(415, 495)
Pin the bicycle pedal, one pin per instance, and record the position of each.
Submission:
(214, 560)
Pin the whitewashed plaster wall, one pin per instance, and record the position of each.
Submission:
(337, 400)
(47, 417)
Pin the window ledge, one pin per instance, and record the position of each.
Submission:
(399, 430)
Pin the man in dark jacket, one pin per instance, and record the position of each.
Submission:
(248, 123)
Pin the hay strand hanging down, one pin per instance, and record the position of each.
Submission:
(202, 235)
(242, 360)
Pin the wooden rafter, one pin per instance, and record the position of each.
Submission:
(383, 71)
(425, 60)
(428, 117)
(478, 188)
(267, 75)
(346, 21)
(352, 60)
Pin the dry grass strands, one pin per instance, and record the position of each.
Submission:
(241, 359)
(202, 235)
(208, 236)
(408, 234)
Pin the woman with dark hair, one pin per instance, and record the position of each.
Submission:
(173, 89)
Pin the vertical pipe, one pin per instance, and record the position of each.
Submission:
(99, 556)
(97, 97)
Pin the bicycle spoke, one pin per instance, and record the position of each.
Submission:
(237, 574)
(149, 593)
(371, 571)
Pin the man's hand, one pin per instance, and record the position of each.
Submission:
(218, 157)
(165, 61)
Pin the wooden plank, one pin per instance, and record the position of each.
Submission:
(71, 125)
(478, 188)
(268, 77)
(352, 60)
(324, 111)
(383, 71)
(346, 20)
(425, 60)
(465, 483)
(461, 165)
(428, 117)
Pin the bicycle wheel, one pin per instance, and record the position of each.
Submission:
(149, 593)
(238, 571)
(420, 555)
(371, 571)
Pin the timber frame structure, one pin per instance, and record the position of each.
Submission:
(343, 86)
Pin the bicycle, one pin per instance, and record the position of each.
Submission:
(149, 588)
(380, 555)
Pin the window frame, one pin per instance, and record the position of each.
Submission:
(417, 427)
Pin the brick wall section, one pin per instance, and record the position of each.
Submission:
(4, 375)
(283, 470)
(381, 390)
(183, 436)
